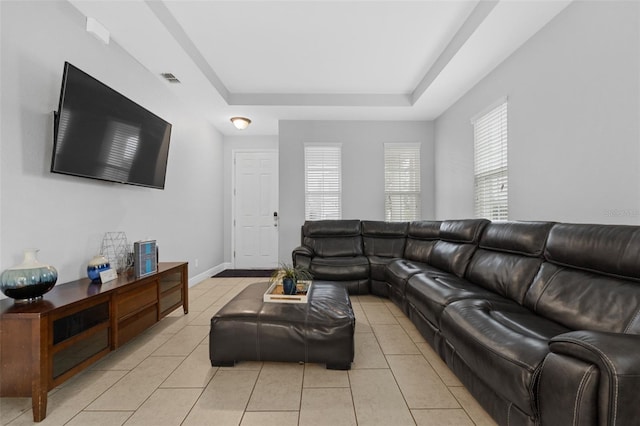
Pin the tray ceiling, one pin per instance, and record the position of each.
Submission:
(328, 60)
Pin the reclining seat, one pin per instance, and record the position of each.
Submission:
(383, 242)
(422, 236)
(446, 256)
(507, 259)
(583, 305)
(591, 283)
(332, 250)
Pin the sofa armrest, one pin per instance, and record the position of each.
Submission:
(302, 256)
(617, 379)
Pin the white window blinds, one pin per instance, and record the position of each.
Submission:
(323, 181)
(491, 171)
(402, 181)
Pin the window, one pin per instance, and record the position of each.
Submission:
(322, 181)
(402, 181)
(490, 159)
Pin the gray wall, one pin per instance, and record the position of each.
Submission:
(574, 117)
(362, 169)
(64, 216)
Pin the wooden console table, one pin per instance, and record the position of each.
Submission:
(45, 342)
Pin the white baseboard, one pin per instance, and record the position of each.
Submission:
(208, 273)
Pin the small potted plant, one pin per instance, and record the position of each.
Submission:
(290, 275)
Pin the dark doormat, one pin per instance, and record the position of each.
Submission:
(244, 273)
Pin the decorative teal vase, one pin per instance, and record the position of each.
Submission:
(96, 265)
(288, 286)
(29, 280)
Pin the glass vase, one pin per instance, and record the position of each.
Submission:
(29, 280)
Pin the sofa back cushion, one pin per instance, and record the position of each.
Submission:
(590, 279)
(458, 242)
(421, 237)
(386, 239)
(333, 238)
(508, 257)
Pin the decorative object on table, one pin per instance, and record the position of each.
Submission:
(97, 264)
(145, 258)
(108, 275)
(290, 275)
(116, 249)
(29, 280)
(275, 293)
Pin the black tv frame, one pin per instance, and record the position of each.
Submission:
(164, 150)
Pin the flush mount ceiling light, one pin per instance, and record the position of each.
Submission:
(241, 123)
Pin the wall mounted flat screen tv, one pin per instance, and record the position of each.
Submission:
(102, 134)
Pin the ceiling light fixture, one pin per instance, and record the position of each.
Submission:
(241, 123)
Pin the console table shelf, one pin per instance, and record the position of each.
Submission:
(45, 342)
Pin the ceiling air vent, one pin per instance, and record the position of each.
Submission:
(170, 77)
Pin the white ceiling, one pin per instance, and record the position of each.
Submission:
(320, 60)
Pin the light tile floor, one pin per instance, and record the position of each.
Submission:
(163, 377)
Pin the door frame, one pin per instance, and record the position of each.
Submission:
(234, 153)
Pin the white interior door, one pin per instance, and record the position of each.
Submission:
(255, 210)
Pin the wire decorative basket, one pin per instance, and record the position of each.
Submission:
(115, 248)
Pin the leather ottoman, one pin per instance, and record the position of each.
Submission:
(249, 329)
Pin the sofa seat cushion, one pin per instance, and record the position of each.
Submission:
(340, 268)
(378, 267)
(400, 270)
(503, 343)
(398, 273)
(430, 293)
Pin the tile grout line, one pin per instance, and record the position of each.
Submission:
(244, 411)
(404, 398)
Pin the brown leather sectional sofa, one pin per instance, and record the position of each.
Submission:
(539, 320)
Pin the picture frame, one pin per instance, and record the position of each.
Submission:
(145, 260)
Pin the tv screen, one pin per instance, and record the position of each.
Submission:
(102, 134)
